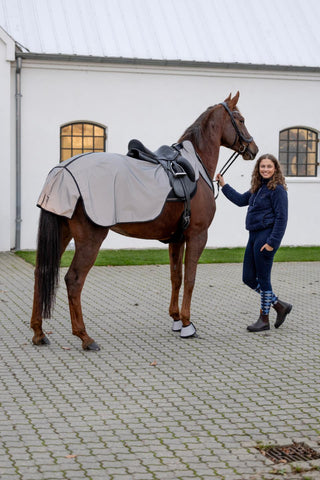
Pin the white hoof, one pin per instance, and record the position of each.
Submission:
(176, 326)
(189, 331)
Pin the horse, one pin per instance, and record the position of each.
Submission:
(220, 125)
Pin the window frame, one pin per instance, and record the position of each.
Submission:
(302, 142)
(84, 138)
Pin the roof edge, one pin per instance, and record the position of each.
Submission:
(10, 44)
(164, 63)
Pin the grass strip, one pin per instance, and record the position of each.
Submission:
(161, 257)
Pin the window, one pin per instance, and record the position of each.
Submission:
(81, 137)
(298, 152)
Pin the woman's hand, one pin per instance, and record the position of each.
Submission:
(220, 179)
(266, 247)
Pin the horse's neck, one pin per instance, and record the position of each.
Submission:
(209, 156)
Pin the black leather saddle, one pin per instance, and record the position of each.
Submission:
(180, 173)
(179, 170)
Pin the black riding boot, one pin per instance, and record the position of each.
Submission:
(261, 324)
(282, 309)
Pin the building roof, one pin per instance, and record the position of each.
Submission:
(250, 32)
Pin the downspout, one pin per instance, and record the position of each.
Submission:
(18, 153)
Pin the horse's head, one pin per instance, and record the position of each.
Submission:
(235, 134)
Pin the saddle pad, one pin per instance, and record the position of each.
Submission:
(114, 188)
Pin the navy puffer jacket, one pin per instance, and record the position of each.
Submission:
(267, 209)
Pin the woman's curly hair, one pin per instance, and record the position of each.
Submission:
(276, 179)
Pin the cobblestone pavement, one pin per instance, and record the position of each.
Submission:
(149, 405)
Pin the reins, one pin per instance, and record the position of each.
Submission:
(223, 170)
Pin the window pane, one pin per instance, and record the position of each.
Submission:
(283, 157)
(66, 142)
(284, 135)
(66, 130)
(312, 146)
(311, 170)
(302, 146)
(99, 143)
(77, 142)
(292, 164)
(292, 146)
(98, 131)
(302, 170)
(88, 143)
(283, 146)
(302, 134)
(312, 135)
(77, 151)
(293, 134)
(88, 129)
(77, 129)
(312, 158)
(292, 170)
(65, 154)
(302, 158)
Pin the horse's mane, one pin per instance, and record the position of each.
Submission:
(195, 132)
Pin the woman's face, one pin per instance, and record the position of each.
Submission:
(266, 168)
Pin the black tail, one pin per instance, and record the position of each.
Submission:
(48, 260)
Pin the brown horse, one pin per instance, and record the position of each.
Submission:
(219, 125)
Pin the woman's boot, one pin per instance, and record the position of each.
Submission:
(282, 309)
(261, 324)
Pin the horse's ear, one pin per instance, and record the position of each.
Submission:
(233, 101)
(228, 99)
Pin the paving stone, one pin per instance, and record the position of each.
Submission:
(198, 413)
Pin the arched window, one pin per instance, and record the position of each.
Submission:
(298, 152)
(81, 137)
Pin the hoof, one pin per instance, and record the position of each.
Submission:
(177, 325)
(189, 331)
(93, 347)
(42, 341)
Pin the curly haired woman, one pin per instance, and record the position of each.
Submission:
(266, 221)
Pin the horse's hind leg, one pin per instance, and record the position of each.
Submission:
(39, 337)
(87, 248)
(176, 259)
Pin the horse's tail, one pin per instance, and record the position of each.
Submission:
(48, 260)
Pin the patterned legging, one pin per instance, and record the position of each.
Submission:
(257, 268)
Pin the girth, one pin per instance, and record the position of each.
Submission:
(180, 173)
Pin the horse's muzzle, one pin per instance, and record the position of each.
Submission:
(250, 152)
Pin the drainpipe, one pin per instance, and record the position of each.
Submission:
(18, 152)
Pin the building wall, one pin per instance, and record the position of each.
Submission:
(7, 204)
(156, 104)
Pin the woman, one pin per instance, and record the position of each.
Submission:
(266, 221)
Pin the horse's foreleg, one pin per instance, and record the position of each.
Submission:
(194, 248)
(176, 258)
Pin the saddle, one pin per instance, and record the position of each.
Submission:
(180, 173)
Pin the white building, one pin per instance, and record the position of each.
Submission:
(146, 69)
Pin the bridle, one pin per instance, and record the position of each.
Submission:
(239, 135)
(242, 140)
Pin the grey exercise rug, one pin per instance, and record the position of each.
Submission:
(114, 188)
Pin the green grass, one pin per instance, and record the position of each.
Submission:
(161, 257)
